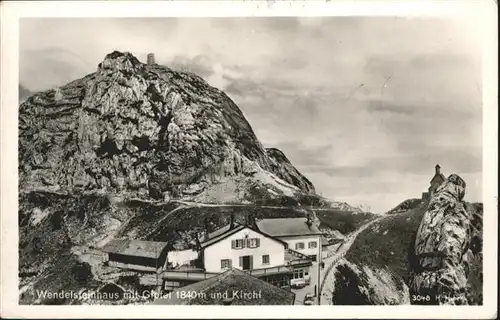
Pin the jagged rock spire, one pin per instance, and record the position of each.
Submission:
(442, 241)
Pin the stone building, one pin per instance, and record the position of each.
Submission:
(435, 182)
(136, 254)
(151, 58)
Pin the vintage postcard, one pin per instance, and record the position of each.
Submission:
(256, 159)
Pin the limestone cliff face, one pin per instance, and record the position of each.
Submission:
(141, 130)
(447, 248)
(286, 171)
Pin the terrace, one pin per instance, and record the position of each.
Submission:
(294, 258)
(197, 274)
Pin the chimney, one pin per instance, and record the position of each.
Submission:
(151, 59)
(206, 228)
(247, 219)
(309, 219)
(438, 169)
(231, 223)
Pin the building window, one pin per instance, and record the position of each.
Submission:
(253, 243)
(237, 244)
(265, 259)
(299, 246)
(313, 244)
(298, 273)
(225, 263)
(313, 257)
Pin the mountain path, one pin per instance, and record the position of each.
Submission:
(328, 275)
(200, 204)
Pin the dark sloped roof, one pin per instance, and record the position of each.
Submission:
(324, 241)
(138, 248)
(439, 177)
(233, 280)
(226, 231)
(222, 230)
(221, 233)
(280, 227)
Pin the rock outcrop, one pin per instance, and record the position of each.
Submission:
(284, 169)
(444, 250)
(144, 131)
(429, 254)
(23, 93)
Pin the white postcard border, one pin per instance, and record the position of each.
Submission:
(484, 12)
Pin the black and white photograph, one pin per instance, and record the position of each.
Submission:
(307, 161)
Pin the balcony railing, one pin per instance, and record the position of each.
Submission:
(201, 275)
(269, 271)
(300, 262)
(298, 254)
(182, 275)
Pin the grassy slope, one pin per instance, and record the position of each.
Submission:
(387, 243)
(183, 225)
(378, 262)
(344, 221)
(406, 205)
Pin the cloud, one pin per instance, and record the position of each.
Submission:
(378, 106)
(50, 67)
(202, 65)
(363, 106)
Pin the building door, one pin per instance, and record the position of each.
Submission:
(246, 262)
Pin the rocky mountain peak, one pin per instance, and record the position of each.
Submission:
(281, 164)
(117, 61)
(145, 130)
(443, 251)
(455, 186)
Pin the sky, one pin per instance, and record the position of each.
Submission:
(364, 107)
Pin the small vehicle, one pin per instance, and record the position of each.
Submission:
(309, 299)
(299, 284)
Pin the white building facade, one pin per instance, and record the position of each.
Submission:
(310, 245)
(242, 248)
(302, 237)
